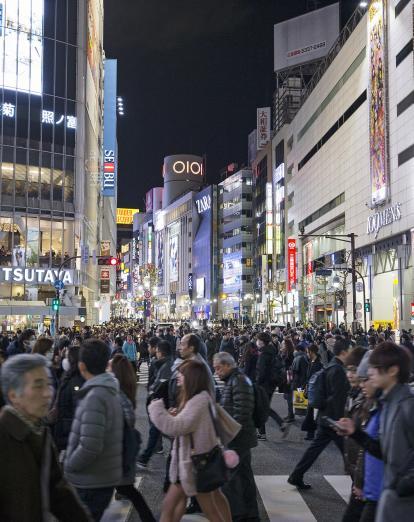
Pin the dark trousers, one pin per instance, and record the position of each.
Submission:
(273, 414)
(96, 500)
(153, 439)
(240, 490)
(369, 511)
(353, 510)
(138, 501)
(289, 399)
(322, 438)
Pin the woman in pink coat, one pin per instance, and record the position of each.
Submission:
(192, 417)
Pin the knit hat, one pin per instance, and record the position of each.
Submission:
(362, 371)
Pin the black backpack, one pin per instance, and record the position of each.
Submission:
(261, 406)
(316, 390)
(131, 443)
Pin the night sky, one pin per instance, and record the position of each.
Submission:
(192, 73)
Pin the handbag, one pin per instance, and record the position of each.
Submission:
(226, 427)
(210, 468)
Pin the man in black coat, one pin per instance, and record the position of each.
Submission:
(238, 400)
(337, 388)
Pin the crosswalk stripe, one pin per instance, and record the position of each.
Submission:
(118, 510)
(283, 502)
(342, 484)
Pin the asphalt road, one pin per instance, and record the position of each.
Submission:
(273, 460)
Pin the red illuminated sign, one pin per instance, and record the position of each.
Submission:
(292, 276)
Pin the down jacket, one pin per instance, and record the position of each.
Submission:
(238, 400)
(94, 452)
(194, 419)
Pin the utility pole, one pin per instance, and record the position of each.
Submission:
(353, 275)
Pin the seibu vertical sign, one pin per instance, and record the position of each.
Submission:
(292, 277)
(110, 149)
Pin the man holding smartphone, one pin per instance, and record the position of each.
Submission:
(336, 391)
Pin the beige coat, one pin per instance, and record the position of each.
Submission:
(194, 418)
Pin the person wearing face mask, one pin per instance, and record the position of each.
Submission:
(23, 344)
(62, 412)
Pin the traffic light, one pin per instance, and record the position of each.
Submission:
(107, 261)
(367, 306)
(55, 304)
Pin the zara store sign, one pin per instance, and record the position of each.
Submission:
(35, 275)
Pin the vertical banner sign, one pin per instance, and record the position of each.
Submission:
(377, 102)
(291, 264)
(263, 127)
(110, 150)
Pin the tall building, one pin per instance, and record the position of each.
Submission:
(348, 158)
(235, 246)
(50, 158)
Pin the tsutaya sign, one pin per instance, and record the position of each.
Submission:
(35, 275)
(383, 218)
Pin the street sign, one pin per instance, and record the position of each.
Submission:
(59, 284)
(147, 294)
(324, 272)
(359, 287)
(358, 306)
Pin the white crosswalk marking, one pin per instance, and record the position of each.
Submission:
(283, 502)
(118, 510)
(143, 374)
(342, 485)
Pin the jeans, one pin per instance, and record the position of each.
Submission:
(96, 500)
(240, 490)
(275, 416)
(322, 438)
(138, 501)
(153, 438)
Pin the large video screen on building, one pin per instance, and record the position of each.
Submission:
(21, 45)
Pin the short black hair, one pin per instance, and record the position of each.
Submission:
(355, 356)
(95, 354)
(389, 354)
(154, 341)
(341, 345)
(194, 341)
(164, 347)
(119, 341)
(264, 336)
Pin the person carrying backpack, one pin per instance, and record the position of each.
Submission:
(334, 387)
(269, 374)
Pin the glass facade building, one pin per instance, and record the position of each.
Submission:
(43, 151)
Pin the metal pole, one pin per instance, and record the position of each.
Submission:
(364, 297)
(353, 267)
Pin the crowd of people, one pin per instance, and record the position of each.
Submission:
(68, 436)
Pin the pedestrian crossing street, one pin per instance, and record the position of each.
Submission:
(282, 502)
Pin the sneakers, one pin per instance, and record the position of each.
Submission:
(261, 436)
(141, 464)
(160, 451)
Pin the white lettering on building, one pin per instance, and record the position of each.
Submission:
(35, 275)
(188, 167)
(203, 204)
(383, 218)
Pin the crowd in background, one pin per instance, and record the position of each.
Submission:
(72, 401)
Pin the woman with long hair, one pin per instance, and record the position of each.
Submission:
(121, 367)
(190, 424)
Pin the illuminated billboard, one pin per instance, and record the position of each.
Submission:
(110, 146)
(173, 259)
(377, 103)
(125, 216)
(21, 56)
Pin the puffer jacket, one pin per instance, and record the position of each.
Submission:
(94, 452)
(238, 400)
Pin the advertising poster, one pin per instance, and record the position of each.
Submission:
(19, 256)
(377, 112)
(21, 56)
(105, 248)
(93, 41)
(32, 246)
(173, 259)
(291, 264)
(200, 287)
(160, 259)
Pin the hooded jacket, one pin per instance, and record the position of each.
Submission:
(94, 452)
